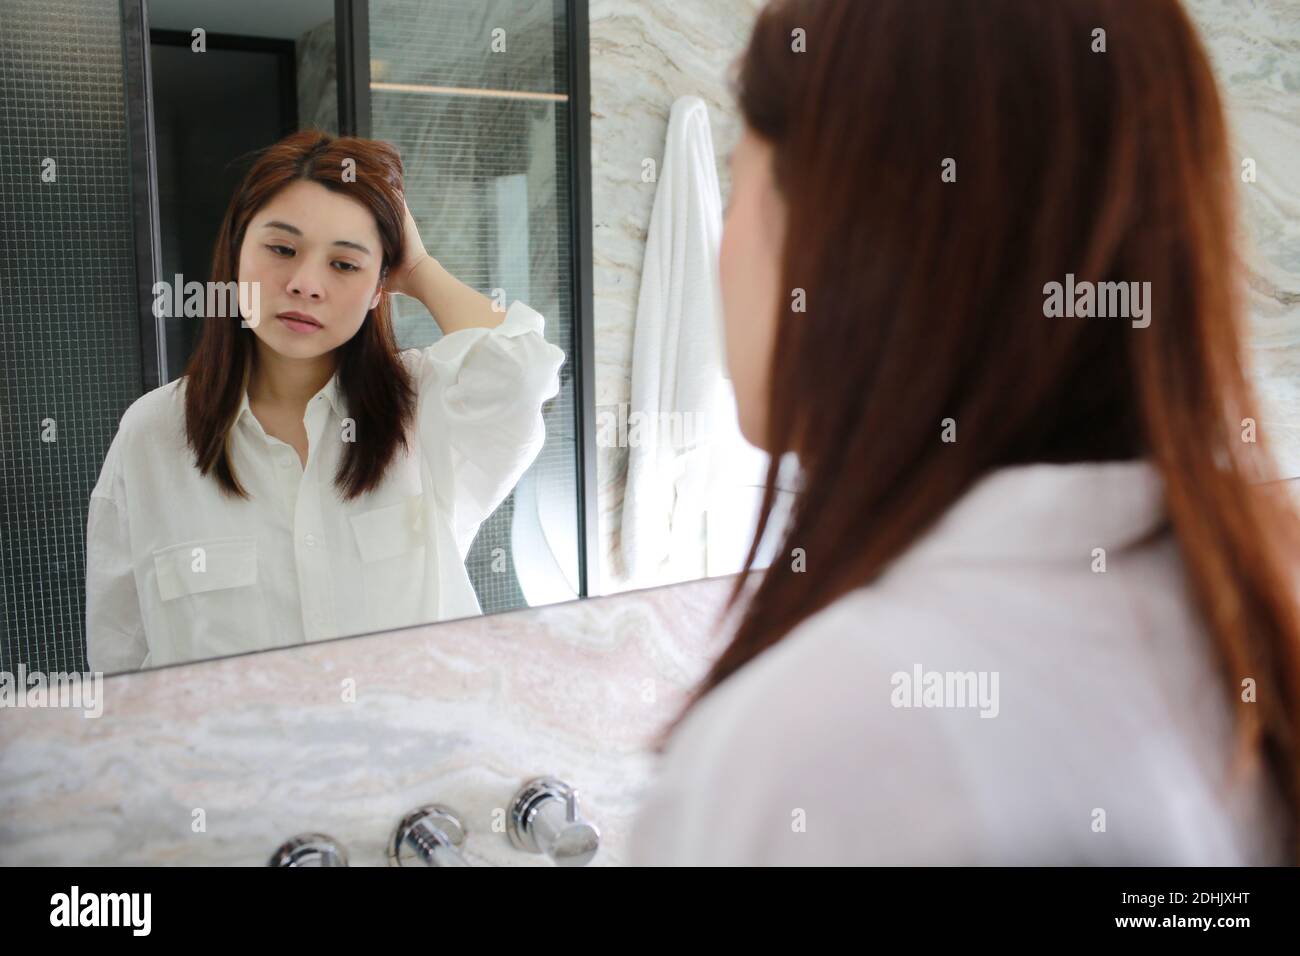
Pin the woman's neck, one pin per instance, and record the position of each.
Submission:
(280, 381)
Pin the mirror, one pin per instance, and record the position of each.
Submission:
(330, 501)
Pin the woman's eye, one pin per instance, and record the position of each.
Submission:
(347, 266)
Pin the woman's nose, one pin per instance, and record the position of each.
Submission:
(305, 282)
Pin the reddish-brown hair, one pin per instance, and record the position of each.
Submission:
(925, 300)
(379, 394)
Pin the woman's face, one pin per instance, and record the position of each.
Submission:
(317, 252)
(749, 268)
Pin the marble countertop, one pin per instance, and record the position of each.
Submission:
(220, 762)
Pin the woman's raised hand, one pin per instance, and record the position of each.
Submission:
(414, 253)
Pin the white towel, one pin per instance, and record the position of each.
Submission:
(677, 359)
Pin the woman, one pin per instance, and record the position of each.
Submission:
(1036, 604)
(304, 479)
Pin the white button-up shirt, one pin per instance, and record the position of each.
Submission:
(178, 571)
(1105, 739)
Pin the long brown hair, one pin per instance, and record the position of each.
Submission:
(924, 300)
(379, 394)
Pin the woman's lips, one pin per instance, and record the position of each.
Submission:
(293, 321)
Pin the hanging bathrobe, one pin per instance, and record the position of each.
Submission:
(677, 360)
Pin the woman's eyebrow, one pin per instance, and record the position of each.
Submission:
(285, 227)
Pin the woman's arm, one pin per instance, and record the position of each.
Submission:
(452, 303)
(115, 635)
(481, 391)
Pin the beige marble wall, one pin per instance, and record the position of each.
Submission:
(267, 747)
(1255, 47)
(646, 53)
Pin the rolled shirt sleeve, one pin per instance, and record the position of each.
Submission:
(480, 419)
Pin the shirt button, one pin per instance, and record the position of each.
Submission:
(309, 540)
(285, 462)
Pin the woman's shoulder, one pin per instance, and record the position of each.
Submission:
(160, 406)
(838, 662)
(801, 756)
(154, 421)
(868, 718)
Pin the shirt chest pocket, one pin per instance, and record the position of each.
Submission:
(390, 531)
(210, 600)
(390, 541)
(202, 566)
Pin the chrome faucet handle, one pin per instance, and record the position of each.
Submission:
(544, 818)
(309, 849)
(430, 835)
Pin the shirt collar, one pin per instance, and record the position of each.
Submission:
(332, 392)
(1048, 511)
